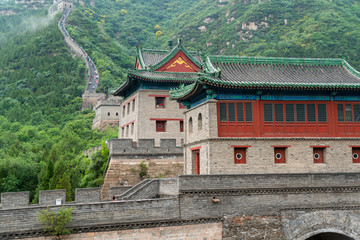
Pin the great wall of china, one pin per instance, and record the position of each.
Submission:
(253, 206)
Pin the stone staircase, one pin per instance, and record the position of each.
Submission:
(146, 189)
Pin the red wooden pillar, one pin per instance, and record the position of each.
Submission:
(332, 119)
(257, 121)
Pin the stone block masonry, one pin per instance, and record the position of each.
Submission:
(252, 227)
(257, 206)
(126, 157)
(87, 195)
(15, 200)
(50, 198)
(208, 231)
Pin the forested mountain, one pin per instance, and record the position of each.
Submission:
(277, 28)
(42, 130)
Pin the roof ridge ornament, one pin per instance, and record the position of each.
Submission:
(179, 42)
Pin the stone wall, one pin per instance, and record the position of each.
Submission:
(90, 99)
(86, 217)
(15, 200)
(209, 231)
(129, 118)
(217, 156)
(107, 112)
(125, 171)
(139, 121)
(52, 197)
(250, 206)
(252, 227)
(87, 195)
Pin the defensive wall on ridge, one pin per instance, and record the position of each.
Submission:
(128, 158)
(262, 206)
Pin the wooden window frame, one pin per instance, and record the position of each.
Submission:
(159, 105)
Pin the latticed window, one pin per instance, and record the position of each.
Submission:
(290, 114)
(268, 112)
(300, 112)
(279, 113)
(322, 113)
(231, 112)
(311, 113)
(240, 112)
(348, 112)
(248, 111)
(340, 108)
(223, 115)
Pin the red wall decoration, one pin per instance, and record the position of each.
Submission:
(179, 63)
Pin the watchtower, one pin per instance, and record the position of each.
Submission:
(65, 4)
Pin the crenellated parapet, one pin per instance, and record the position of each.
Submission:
(297, 206)
(108, 101)
(15, 200)
(144, 147)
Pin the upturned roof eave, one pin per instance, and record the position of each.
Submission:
(140, 59)
(123, 87)
(182, 94)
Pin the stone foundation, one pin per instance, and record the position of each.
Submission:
(208, 231)
(126, 172)
(252, 227)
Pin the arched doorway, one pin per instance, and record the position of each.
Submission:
(329, 236)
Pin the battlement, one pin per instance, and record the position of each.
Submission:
(144, 147)
(188, 198)
(14, 200)
(108, 101)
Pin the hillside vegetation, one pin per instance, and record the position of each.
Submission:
(42, 130)
(277, 28)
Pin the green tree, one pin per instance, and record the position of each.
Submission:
(56, 222)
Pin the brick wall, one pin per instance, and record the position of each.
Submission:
(209, 231)
(244, 201)
(217, 156)
(87, 195)
(124, 172)
(107, 112)
(252, 227)
(144, 110)
(92, 215)
(15, 200)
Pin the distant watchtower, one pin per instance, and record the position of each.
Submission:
(107, 112)
(65, 4)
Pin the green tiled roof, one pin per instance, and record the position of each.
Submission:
(277, 61)
(274, 73)
(182, 90)
(164, 76)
